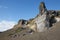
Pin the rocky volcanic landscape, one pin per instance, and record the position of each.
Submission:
(45, 26)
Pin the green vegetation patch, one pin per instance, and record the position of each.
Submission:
(19, 30)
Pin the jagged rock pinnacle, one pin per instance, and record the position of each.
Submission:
(42, 8)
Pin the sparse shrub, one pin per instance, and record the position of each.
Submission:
(19, 29)
(10, 34)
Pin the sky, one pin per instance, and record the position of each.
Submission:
(13, 10)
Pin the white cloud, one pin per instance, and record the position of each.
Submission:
(5, 25)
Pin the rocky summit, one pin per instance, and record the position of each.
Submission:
(45, 26)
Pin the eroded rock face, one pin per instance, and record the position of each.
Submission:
(40, 21)
(43, 21)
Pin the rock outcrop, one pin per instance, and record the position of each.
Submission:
(43, 21)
